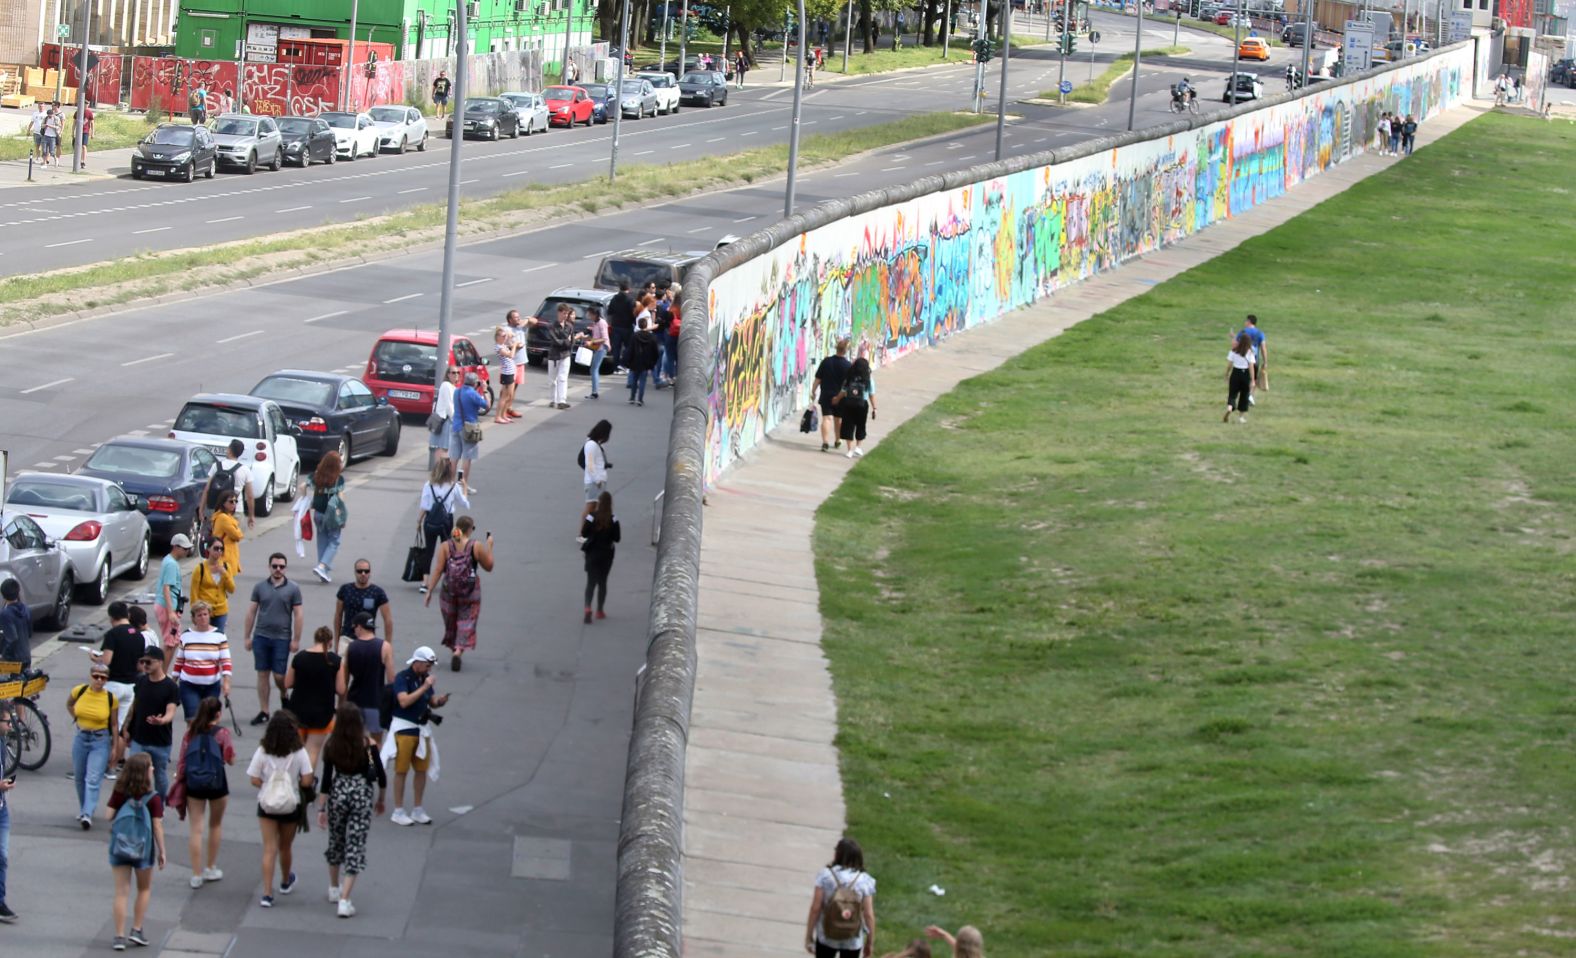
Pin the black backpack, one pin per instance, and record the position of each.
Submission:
(439, 520)
(223, 481)
(854, 389)
(580, 457)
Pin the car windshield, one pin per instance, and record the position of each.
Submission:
(217, 420)
(517, 100)
(388, 114)
(135, 461)
(345, 121)
(295, 124)
(660, 81)
(549, 310)
(696, 78)
(560, 93)
(398, 362)
(637, 273)
(631, 86)
(171, 136)
(595, 90)
(51, 495)
(481, 106)
(236, 127)
(296, 391)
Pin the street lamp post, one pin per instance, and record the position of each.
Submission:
(569, 37)
(782, 70)
(798, 103)
(667, 21)
(1236, 56)
(350, 65)
(82, 87)
(848, 37)
(1138, 55)
(1061, 68)
(683, 38)
(946, 32)
(618, 89)
(451, 224)
(1307, 38)
(1006, 54)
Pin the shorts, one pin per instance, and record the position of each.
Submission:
(270, 655)
(287, 818)
(38, 139)
(594, 490)
(318, 731)
(405, 757)
(506, 379)
(460, 449)
(828, 408)
(373, 719)
(51, 143)
(441, 100)
(124, 693)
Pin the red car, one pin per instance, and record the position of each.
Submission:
(403, 367)
(568, 105)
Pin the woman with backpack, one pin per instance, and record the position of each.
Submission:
(205, 751)
(345, 808)
(282, 774)
(855, 404)
(644, 354)
(440, 494)
(842, 920)
(136, 844)
(594, 464)
(311, 682)
(327, 486)
(461, 598)
(599, 533)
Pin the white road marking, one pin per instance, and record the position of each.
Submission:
(473, 282)
(400, 299)
(147, 359)
(889, 169)
(231, 339)
(64, 458)
(67, 243)
(83, 452)
(681, 146)
(698, 229)
(716, 139)
(650, 242)
(138, 433)
(596, 254)
(58, 382)
(355, 199)
(746, 219)
(337, 312)
(937, 163)
(837, 117)
(643, 152)
(561, 166)
(838, 176)
(414, 189)
(533, 269)
(224, 219)
(44, 465)
(516, 173)
(776, 128)
(156, 229)
(753, 132)
(294, 209)
(468, 182)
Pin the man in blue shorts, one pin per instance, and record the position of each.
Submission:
(1261, 378)
(273, 630)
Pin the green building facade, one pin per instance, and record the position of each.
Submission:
(416, 29)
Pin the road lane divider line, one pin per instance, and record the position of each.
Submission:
(400, 299)
(650, 242)
(58, 382)
(156, 229)
(294, 209)
(238, 336)
(146, 359)
(596, 254)
(473, 282)
(700, 229)
(534, 269)
(224, 219)
(337, 312)
(68, 243)
(414, 189)
(355, 199)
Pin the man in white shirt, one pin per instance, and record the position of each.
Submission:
(35, 126)
(233, 469)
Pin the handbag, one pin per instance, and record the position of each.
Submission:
(415, 566)
(471, 433)
(584, 356)
(435, 422)
(306, 526)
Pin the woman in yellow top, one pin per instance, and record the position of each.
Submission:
(212, 582)
(93, 708)
(227, 529)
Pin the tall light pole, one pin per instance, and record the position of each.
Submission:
(1307, 38)
(350, 65)
(569, 35)
(782, 70)
(683, 38)
(946, 32)
(1236, 56)
(82, 87)
(667, 21)
(1138, 54)
(798, 103)
(618, 89)
(1061, 69)
(451, 224)
(1006, 54)
(848, 37)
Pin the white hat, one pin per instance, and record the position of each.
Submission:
(181, 539)
(422, 654)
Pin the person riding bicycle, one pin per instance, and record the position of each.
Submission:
(1293, 77)
(1182, 90)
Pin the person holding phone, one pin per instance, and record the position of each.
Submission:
(461, 598)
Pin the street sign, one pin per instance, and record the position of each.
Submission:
(1066, 86)
(1094, 36)
(1358, 48)
(1460, 25)
(63, 30)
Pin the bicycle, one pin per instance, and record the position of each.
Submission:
(28, 743)
(1189, 105)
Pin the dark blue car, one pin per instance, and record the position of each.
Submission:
(335, 413)
(604, 100)
(168, 473)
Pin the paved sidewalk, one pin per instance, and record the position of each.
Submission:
(763, 798)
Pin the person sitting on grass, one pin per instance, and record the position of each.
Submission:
(968, 943)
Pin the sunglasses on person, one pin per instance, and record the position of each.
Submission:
(363, 572)
(276, 565)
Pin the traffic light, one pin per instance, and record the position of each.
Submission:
(1069, 41)
(984, 49)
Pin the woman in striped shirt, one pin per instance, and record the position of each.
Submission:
(202, 663)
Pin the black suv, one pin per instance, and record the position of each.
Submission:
(637, 267)
(536, 339)
(703, 88)
(1564, 71)
(175, 150)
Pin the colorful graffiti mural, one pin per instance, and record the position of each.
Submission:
(167, 81)
(279, 89)
(104, 70)
(911, 274)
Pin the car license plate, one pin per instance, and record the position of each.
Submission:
(404, 394)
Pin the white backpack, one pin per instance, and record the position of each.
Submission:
(280, 794)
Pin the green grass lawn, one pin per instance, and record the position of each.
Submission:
(886, 58)
(111, 131)
(1125, 680)
(1099, 89)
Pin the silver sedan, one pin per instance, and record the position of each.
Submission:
(100, 528)
(531, 108)
(39, 566)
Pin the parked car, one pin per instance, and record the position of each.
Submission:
(175, 150)
(213, 419)
(167, 473)
(1253, 48)
(399, 128)
(637, 97)
(40, 567)
(1249, 87)
(1226, 18)
(308, 140)
(404, 365)
(1563, 71)
(638, 267)
(706, 88)
(335, 413)
(1208, 12)
(568, 105)
(674, 68)
(101, 529)
(536, 340)
(487, 117)
(246, 141)
(602, 100)
(1294, 33)
(530, 108)
(666, 87)
(354, 134)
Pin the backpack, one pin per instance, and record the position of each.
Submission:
(459, 572)
(131, 833)
(335, 515)
(280, 794)
(854, 388)
(439, 520)
(223, 482)
(843, 917)
(204, 764)
(580, 457)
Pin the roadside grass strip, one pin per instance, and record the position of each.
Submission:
(1099, 89)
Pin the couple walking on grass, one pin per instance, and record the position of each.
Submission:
(1245, 369)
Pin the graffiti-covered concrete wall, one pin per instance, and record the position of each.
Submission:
(907, 275)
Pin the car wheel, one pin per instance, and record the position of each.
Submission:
(140, 568)
(497, 133)
(422, 146)
(60, 613)
(391, 439)
(97, 591)
(290, 487)
(344, 450)
(675, 109)
(333, 156)
(251, 163)
(136, 174)
(404, 144)
(351, 156)
(191, 171)
(212, 166)
(279, 161)
(266, 507)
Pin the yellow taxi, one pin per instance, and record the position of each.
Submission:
(1253, 48)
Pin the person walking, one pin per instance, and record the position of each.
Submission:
(202, 662)
(1382, 131)
(1239, 378)
(1408, 133)
(828, 382)
(1395, 134)
(465, 433)
(7, 785)
(669, 317)
(642, 358)
(366, 668)
(345, 804)
(856, 403)
(136, 815)
(1261, 376)
(87, 132)
(120, 652)
(329, 515)
(599, 532)
(312, 683)
(741, 66)
(461, 598)
(439, 497)
(274, 621)
(442, 415)
(227, 529)
(968, 943)
(659, 315)
(363, 597)
(205, 751)
(594, 464)
(282, 773)
(213, 583)
(16, 626)
(35, 126)
(230, 475)
(561, 342)
(842, 919)
(410, 744)
(93, 708)
(517, 335)
(598, 336)
(504, 348)
(440, 94)
(168, 599)
(53, 124)
(147, 731)
(138, 617)
(621, 323)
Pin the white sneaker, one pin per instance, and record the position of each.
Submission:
(420, 817)
(859, 453)
(333, 894)
(849, 454)
(400, 818)
(346, 909)
(212, 874)
(195, 881)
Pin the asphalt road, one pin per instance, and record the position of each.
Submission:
(51, 227)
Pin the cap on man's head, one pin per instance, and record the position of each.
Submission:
(472, 379)
(366, 621)
(422, 654)
(151, 654)
(181, 539)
